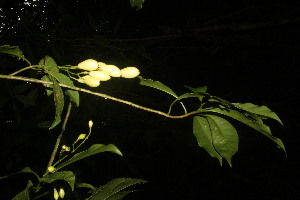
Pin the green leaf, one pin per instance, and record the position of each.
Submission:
(112, 189)
(24, 195)
(251, 120)
(159, 86)
(59, 102)
(14, 51)
(202, 132)
(202, 89)
(74, 95)
(94, 149)
(137, 3)
(259, 110)
(224, 136)
(49, 63)
(85, 185)
(67, 176)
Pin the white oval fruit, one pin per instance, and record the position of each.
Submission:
(111, 70)
(130, 72)
(89, 64)
(91, 81)
(100, 75)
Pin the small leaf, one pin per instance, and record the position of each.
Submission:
(202, 132)
(74, 95)
(112, 190)
(94, 149)
(49, 63)
(85, 185)
(67, 176)
(202, 89)
(137, 3)
(24, 195)
(259, 110)
(14, 51)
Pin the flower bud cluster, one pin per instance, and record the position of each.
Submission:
(99, 71)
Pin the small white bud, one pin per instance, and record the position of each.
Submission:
(91, 123)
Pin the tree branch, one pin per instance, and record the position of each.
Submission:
(105, 96)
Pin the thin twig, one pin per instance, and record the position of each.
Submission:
(59, 137)
(105, 96)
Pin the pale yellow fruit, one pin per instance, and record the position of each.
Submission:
(111, 70)
(89, 65)
(91, 124)
(61, 193)
(101, 64)
(51, 169)
(91, 81)
(100, 75)
(130, 72)
(81, 136)
(55, 194)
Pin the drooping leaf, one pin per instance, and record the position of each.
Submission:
(224, 136)
(59, 102)
(74, 95)
(137, 3)
(113, 189)
(24, 195)
(14, 51)
(94, 149)
(259, 110)
(202, 132)
(251, 120)
(67, 176)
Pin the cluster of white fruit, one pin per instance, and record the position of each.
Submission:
(99, 71)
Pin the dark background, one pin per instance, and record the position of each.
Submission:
(244, 51)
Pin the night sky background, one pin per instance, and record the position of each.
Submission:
(243, 51)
